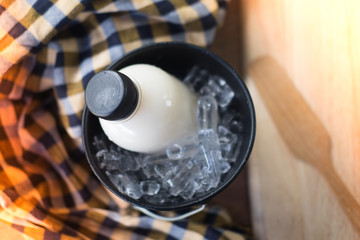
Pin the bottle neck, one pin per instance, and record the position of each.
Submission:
(111, 95)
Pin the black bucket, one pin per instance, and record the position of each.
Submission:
(178, 59)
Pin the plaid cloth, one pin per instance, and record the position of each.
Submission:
(49, 49)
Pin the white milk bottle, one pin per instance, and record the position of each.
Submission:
(141, 107)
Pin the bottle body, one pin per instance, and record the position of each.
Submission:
(166, 111)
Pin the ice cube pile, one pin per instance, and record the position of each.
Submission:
(191, 166)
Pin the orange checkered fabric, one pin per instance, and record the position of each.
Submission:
(49, 49)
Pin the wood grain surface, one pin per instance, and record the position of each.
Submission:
(317, 43)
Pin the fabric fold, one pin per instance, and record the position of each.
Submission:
(48, 52)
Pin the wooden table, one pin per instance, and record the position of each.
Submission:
(318, 45)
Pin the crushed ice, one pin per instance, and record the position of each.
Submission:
(190, 166)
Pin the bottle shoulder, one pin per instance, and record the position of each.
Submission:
(158, 90)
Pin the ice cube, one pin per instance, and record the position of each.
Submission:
(149, 187)
(196, 77)
(153, 159)
(224, 166)
(126, 184)
(210, 146)
(230, 150)
(108, 160)
(219, 89)
(229, 143)
(130, 163)
(101, 155)
(183, 148)
(233, 121)
(178, 179)
(207, 113)
(110, 165)
(189, 190)
(115, 159)
(205, 179)
(164, 169)
(191, 75)
(99, 143)
(150, 161)
(160, 197)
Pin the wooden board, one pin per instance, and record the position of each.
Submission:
(318, 44)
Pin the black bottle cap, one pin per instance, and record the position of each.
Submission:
(111, 95)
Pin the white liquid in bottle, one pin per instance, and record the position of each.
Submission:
(164, 110)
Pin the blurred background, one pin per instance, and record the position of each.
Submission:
(317, 44)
